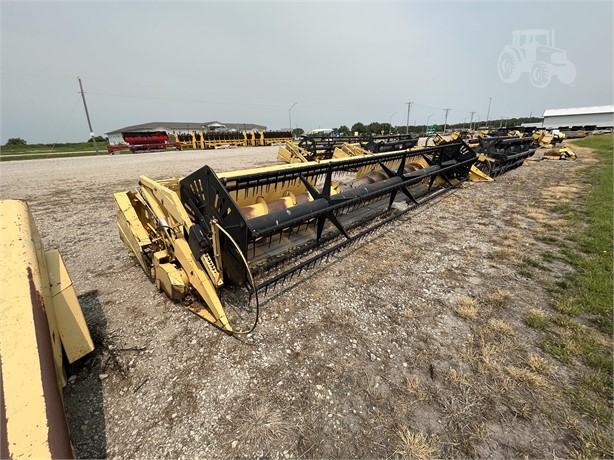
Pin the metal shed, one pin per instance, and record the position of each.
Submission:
(601, 116)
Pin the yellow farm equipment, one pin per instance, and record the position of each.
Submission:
(210, 140)
(497, 155)
(291, 153)
(564, 153)
(322, 147)
(545, 138)
(41, 324)
(213, 139)
(214, 241)
(270, 137)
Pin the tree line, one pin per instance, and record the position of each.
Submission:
(376, 128)
(20, 141)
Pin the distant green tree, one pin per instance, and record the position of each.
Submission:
(344, 130)
(296, 132)
(359, 128)
(98, 139)
(374, 128)
(386, 127)
(16, 141)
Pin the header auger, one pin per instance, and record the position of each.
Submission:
(214, 241)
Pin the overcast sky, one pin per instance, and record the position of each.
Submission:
(249, 62)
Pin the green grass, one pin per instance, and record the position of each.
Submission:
(556, 347)
(581, 334)
(537, 321)
(593, 281)
(39, 151)
(525, 273)
(549, 256)
(40, 156)
(548, 239)
(44, 148)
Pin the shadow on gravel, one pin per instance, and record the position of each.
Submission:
(83, 397)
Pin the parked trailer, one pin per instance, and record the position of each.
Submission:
(144, 142)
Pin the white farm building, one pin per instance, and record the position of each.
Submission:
(601, 116)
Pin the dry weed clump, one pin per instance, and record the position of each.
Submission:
(409, 314)
(537, 319)
(504, 253)
(500, 327)
(526, 376)
(537, 214)
(419, 446)
(483, 355)
(467, 308)
(500, 298)
(458, 377)
(466, 411)
(414, 386)
(538, 364)
(263, 428)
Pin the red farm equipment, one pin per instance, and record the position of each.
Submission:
(145, 142)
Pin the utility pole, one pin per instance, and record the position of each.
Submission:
(446, 121)
(290, 116)
(390, 121)
(471, 122)
(488, 113)
(427, 122)
(87, 114)
(408, 110)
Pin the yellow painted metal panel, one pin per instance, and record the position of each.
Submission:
(131, 229)
(71, 324)
(29, 343)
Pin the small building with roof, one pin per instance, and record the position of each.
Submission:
(601, 116)
(173, 127)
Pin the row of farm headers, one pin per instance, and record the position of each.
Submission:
(323, 147)
(137, 142)
(242, 233)
(213, 139)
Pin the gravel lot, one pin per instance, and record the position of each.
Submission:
(344, 360)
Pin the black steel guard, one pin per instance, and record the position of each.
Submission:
(507, 152)
(208, 197)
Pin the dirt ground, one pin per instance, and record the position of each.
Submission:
(412, 341)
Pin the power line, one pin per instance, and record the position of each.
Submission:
(157, 98)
